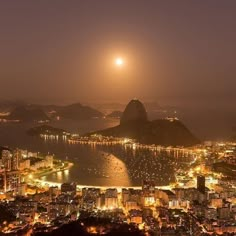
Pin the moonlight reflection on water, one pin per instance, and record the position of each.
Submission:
(98, 168)
(117, 165)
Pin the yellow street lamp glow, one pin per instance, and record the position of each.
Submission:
(119, 61)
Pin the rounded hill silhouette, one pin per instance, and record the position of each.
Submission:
(135, 125)
(134, 111)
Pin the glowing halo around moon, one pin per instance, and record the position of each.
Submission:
(119, 62)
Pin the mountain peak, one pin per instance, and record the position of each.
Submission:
(135, 125)
(134, 111)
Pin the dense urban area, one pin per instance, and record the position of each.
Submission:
(201, 200)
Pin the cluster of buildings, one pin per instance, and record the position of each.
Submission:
(167, 211)
(199, 203)
(15, 164)
(196, 210)
(225, 152)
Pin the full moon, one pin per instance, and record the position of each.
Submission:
(119, 61)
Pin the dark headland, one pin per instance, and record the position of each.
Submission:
(134, 124)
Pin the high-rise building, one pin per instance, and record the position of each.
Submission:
(2, 180)
(16, 158)
(6, 159)
(12, 180)
(49, 161)
(111, 200)
(201, 183)
(68, 188)
(100, 201)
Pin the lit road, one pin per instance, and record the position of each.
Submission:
(119, 188)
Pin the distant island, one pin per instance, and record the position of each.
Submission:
(134, 124)
(46, 130)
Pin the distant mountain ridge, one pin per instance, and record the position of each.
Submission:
(75, 111)
(34, 112)
(7, 106)
(134, 124)
(27, 113)
(78, 112)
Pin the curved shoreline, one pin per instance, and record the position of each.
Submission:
(42, 174)
(79, 187)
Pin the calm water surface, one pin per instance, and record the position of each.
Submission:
(96, 165)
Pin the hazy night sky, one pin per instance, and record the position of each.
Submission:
(175, 52)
